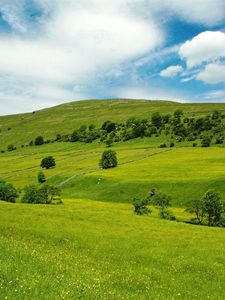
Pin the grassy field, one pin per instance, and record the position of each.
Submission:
(183, 173)
(94, 246)
(95, 250)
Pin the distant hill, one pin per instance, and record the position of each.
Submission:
(21, 128)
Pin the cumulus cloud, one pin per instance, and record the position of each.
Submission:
(171, 71)
(213, 73)
(205, 47)
(76, 41)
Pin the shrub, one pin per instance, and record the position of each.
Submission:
(48, 162)
(41, 177)
(172, 144)
(7, 192)
(109, 159)
(197, 207)
(167, 215)
(162, 146)
(206, 141)
(39, 140)
(213, 207)
(140, 206)
(11, 147)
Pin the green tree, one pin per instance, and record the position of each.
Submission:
(41, 177)
(7, 192)
(206, 141)
(213, 207)
(157, 119)
(48, 162)
(109, 159)
(141, 206)
(196, 207)
(39, 140)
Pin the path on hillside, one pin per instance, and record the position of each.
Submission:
(125, 163)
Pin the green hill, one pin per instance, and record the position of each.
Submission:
(22, 128)
(94, 246)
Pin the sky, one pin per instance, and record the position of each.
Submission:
(54, 51)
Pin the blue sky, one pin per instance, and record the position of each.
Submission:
(58, 51)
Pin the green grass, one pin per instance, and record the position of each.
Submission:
(95, 250)
(184, 173)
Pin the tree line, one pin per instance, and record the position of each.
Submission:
(177, 127)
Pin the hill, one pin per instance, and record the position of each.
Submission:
(22, 128)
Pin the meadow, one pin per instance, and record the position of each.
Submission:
(94, 246)
(94, 250)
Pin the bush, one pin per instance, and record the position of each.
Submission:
(172, 144)
(162, 146)
(108, 160)
(206, 141)
(41, 177)
(48, 162)
(39, 141)
(140, 206)
(7, 192)
(167, 215)
(11, 147)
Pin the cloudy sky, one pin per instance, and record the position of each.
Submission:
(55, 51)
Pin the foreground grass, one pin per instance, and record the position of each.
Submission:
(95, 250)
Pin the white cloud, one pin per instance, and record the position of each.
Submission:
(205, 47)
(171, 71)
(75, 42)
(213, 73)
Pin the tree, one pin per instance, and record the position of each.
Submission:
(162, 200)
(109, 126)
(213, 207)
(196, 207)
(109, 159)
(206, 141)
(48, 162)
(39, 140)
(7, 192)
(140, 206)
(75, 136)
(157, 119)
(41, 177)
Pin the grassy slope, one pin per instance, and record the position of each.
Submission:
(65, 118)
(93, 250)
(183, 173)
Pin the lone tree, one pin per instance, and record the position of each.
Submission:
(108, 160)
(41, 177)
(48, 162)
(39, 140)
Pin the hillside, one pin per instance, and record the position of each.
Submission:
(94, 246)
(22, 128)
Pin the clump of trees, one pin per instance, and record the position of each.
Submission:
(44, 195)
(48, 162)
(209, 210)
(8, 192)
(108, 159)
(39, 141)
(162, 201)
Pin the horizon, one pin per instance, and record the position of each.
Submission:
(54, 53)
